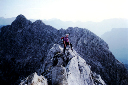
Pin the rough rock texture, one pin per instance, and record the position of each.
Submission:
(34, 79)
(68, 69)
(96, 53)
(59, 76)
(24, 46)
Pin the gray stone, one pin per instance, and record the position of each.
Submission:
(74, 72)
(59, 76)
(34, 79)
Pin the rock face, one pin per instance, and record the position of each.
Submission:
(97, 54)
(68, 69)
(25, 46)
(34, 79)
(59, 76)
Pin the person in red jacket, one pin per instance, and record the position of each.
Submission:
(66, 42)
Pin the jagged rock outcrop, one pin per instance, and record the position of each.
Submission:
(20, 23)
(34, 79)
(24, 46)
(68, 69)
(59, 76)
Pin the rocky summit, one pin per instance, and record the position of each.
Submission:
(26, 48)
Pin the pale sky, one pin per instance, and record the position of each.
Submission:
(65, 10)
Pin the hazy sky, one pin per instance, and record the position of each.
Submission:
(66, 10)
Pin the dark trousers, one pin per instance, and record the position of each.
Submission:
(67, 43)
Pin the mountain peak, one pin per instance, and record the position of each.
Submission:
(38, 22)
(20, 22)
(20, 17)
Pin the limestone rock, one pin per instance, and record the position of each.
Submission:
(69, 69)
(34, 79)
(59, 76)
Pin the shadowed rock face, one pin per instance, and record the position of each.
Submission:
(126, 65)
(1, 27)
(24, 46)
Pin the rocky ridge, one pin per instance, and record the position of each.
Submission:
(68, 69)
(97, 54)
(25, 45)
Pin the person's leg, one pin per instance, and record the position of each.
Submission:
(64, 49)
(71, 45)
(67, 43)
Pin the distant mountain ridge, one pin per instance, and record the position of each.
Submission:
(6, 21)
(25, 45)
(117, 40)
(1, 27)
(98, 28)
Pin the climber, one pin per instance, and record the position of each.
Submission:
(66, 42)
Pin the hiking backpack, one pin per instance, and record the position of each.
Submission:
(62, 39)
